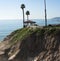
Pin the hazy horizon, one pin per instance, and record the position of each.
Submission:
(31, 18)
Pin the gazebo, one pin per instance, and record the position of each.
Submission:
(29, 23)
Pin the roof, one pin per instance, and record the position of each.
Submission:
(29, 21)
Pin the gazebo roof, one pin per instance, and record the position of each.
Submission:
(29, 21)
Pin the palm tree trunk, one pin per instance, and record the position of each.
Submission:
(23, 18)
(27, 18)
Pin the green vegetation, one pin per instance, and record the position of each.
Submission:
(40, 32)
(21, 34)
(52, 29)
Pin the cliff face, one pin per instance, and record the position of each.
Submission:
(31, 44)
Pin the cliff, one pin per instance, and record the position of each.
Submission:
(31, 44)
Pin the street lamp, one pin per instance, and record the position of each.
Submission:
(45, 13)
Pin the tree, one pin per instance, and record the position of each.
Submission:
(22, 7)
(27, 13)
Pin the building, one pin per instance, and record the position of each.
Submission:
(29, 23)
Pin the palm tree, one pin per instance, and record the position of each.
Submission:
(45, 13)
(27, 13)
(22, 7)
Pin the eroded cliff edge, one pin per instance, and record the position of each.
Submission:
(31, 44)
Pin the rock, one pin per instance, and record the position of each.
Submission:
(38, 44)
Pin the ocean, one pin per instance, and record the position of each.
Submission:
(8, 26)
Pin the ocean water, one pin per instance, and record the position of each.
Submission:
(8, 26)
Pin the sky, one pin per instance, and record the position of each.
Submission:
(10, 9)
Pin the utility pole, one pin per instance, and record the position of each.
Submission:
(45, 13)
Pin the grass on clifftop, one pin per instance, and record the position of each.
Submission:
(21, 34)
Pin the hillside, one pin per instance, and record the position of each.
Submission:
(31, 44)
(56, 18)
